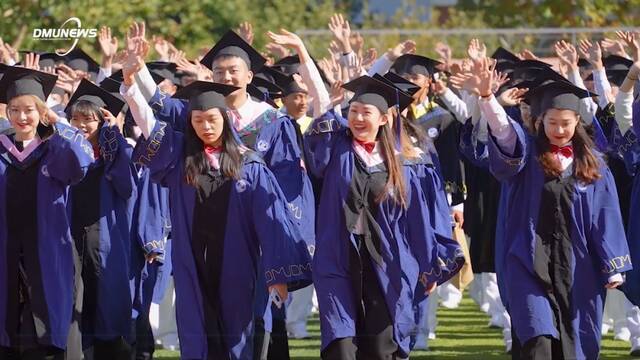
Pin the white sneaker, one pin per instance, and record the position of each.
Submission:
(431, 336)
(299, 335)
(508, 343)
(635, 347)
(605, 329)
(622, 334)
(421, 342)
(496, 322)
(451, 304)
(484, 307)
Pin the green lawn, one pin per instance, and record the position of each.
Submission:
(462, 334)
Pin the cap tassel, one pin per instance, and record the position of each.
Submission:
(398, 123)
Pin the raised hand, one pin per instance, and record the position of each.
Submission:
(341, 31)
(476, 50)
(245, 30)
(326, 66)
(161, 46)
(632, 39)
(286, 39)
(32, 61)
(334, 50)
(369, 58)
(526, 54)
(112, 120)
(466, 81)
(357, 43)
(487, 79)
(438, 87)
(136, 32)
(336, 93)
(592, 52)
(134, 61)
(444, 51)
(405, 47)
(68, 76)
(614, 47)
(176, 56)
(567, 54)
(108, 44)
(512, 97)
(278, 51)
(500, 79)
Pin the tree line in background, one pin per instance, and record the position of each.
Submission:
(194, 25)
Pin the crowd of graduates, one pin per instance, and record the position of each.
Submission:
(211, 205)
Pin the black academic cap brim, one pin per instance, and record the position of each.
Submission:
(405, 100)
(269, 87)
(374, 92)
(615, 62)
(415, 64)
(231, 44)
(77, 59)
(402, 83)
(93, 93)
(165, 70)
(18, 81)
(504, 55)
(205, 95)
(556, 95)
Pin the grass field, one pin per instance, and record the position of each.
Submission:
(462, 334)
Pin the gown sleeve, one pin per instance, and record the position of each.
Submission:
(285, 257)
(607, 236)
(439, 257)
(71, 155)
(170, 110)
(119, 169)
(319, 139)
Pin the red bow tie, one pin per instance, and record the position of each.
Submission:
(566, 151)
(212, 149)
(368, 146)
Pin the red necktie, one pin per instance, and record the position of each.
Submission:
(368, 146)
(212, 149)
(566, 151)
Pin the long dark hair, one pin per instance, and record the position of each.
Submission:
(231, 158)
(586, 166)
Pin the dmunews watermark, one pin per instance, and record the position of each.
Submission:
(63, 33)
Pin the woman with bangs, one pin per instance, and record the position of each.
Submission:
(38, 276)
(563, 239)
(101, 216)
(231, 228)
(375, 248)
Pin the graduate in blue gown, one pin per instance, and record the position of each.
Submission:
(624, 140)
(230, 223)
(150, 256)
(374, 246)
(39, 273)
(563, 238)
(102, 211)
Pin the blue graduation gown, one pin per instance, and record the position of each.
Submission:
(170, 110)
(64, 162)
(597, 234)
(258, 221)
(628, 147)
(408, 248)
(278, 145)
(150, 231)
(111, 317)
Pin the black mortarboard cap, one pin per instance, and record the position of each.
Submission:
(77, 59)
(288, 65)
(414, 64)
(374, 92)
(502, 54)
(19, 81)
(404, 100)
(113, 87)
(231, 44)
(556, 95)
(263, 90)
(205, 95)
(165, 70)
(94, 94)
(402, 83)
